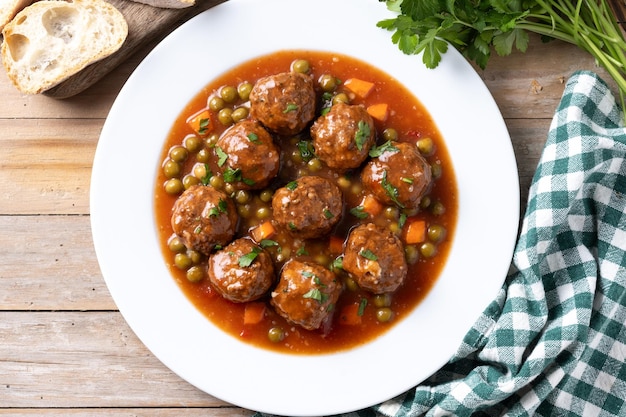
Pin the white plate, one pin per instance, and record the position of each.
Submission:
(125, 235)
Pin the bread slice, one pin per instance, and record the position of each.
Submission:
(51, 40)
(9, 8)
(168, 4)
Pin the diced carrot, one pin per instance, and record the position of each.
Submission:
(201, 122)
(415, 231)
(263, 231)
(350, 315)
(335, 245)
(371, 205)
(253, 312)
(359, 87)
(379, 111)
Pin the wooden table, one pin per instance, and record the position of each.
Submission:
(65, 350)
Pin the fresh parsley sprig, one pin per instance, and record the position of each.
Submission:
(476, 27)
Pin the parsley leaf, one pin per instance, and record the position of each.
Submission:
(221, 156)
(247, 259)
(358, 212)
(390, 190)
(291, 107)
(377, 151)
(368, 254)
(362, 135)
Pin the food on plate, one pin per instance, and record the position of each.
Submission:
(333, 225)
(398, 174)
(343, 137)
(284, 103)
(9, 8)
(242, 271)
(306, 293)
(308, 207)
(374, 257)
(204, 217)
(247, 152)
(49, 41)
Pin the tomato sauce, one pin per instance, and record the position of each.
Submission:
(412, 123)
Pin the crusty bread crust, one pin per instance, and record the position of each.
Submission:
(51, 40)
(9, 8)
(168, 4)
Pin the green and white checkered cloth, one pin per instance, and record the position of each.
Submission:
(553, 342)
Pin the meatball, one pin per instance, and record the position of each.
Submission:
(247, 155)
(374, 258)
(242, 271)
(308, 207)
(306, 294)
(204, 217)
(400, 175)
(343, 137)
(284, 103)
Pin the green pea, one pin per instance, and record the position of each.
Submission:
(276, 334)
(174, 186)
(296, 156)
(199, 171)
(189, 181)
(351, 284)
(426, 146)
(229, 93)
(344, 182)
(436, 233)
(436, 170)
(394, 227)
(266, 196)
(390, 134)
(411, 254)
(341, 98)
(204, 156)
(384, 314)
(216, 182)
(195, 274)
(212, 140)
(438, 208)
(242, 196)
(182, 261)
(176, 245)
(428, 249)
(229, 189)
(171, 169)
(243, 90)
(225, 116)
(263, 213)
(301, 65)
(327, 82)
(244, 210)
(314, 165)
(193, 143)
(178, 153)
(195, 256)
(216, 103)
(391, 212)
(239, 114)
(382, 300)
(425, 202)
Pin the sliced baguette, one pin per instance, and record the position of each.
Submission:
(51, 40)
(168, 4)
(9, 8)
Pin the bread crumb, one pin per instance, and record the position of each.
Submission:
(535, 87)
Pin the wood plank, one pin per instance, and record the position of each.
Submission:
(46, 165)
(84, 360)
(49, 263)
(127, 412)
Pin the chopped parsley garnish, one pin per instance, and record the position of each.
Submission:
(292, 226)
(316, 294)
(290, 107)
(407, 180)
(247, 259)
(362, 135)
(402, 220)
(266, 243)
(358, 212)
(362, 305)
(253, 137)
(222, 207)
(234, 175)
(377, 151)
(207, 177)
(291, 185)
(306, 150)
(390, 190)
(338, 262)
(197, 230)
(368, 254)
(204, 126)
(328, 214)
(301, 251)
(221, 156)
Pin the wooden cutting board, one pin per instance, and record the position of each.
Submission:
(145, 24)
